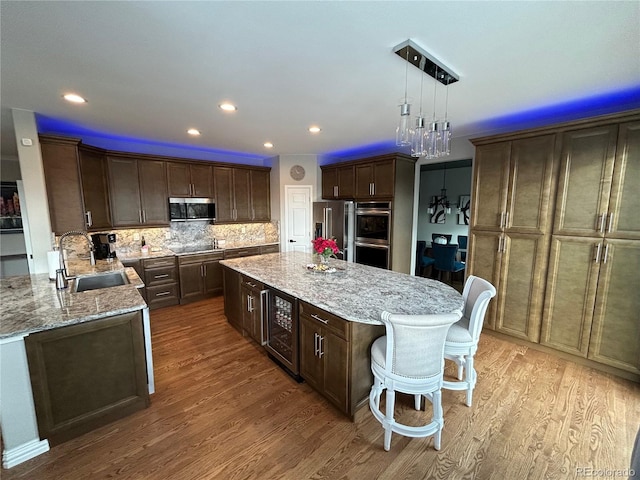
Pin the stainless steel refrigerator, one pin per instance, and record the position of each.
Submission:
(336, 219)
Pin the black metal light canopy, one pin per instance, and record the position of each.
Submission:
(419, 58)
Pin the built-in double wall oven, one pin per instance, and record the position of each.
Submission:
(373, 234)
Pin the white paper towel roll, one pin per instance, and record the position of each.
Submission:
(53, 260)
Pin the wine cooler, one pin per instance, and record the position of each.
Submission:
(282, 330)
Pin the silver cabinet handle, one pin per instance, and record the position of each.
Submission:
(598, 248)
(315, 344)
(606, 253)
(263, 303)
(89, 218)
(506, 219)
(602, 220)
(164, 275)
(140, 215)
(335, 190)
(320, 346)
(202, 270)
(162, 294)
(610, 228)
(500, 242)
(144, 216)
(313, 315)
(501, 219)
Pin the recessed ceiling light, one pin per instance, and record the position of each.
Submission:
(268, 145)
(228, 107)
(193, 131)
(314, 129)
(72, 97)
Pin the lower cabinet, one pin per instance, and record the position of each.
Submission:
(87, 375)
(200, 276)
(335, 356)
(253, 323)
(232, 297)
(592, 302)
(161, 282)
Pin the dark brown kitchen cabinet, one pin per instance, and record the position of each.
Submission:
(161, 282)
(200, 276)
(87, 375)
(324, 354)
(232, 281)
(189, 179)
(95, 188)
(62, 178)
(242, 194)
(253, 323)
(375, 180)
(338, 182)
(138, 191)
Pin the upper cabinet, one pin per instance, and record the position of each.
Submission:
(138, 192)
(338, 182)
(189, 179)
(242, 194)
(62, 178)
(95, 188)
(512, 184)
(599, 176)
(375, 180)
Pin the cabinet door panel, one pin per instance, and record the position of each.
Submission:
(242, 194)
(485, 263)
(153, 192)
(329, 181)
(490, 180)
(223, 182)
(624, 206)
(364, 178)
(94, 188)
(178, 179)
(202, 180)
(570, 296)
(335, 360)
(260, 195)
(232, 297)
(345, 182)
(615, 337)
(586, 169)
(310, 364)
(383, 179)
(124, 192)
(213, 277)
(532, 168)
(191, 282)
(521, 289)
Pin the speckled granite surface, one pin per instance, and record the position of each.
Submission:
(355, 292)
(31, 303)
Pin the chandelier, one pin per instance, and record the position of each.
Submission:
(428, 139)
(441, 202)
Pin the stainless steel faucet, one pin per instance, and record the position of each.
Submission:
(60, 247)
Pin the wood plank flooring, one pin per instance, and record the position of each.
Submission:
(223, 410)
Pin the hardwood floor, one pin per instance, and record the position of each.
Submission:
(223, 409)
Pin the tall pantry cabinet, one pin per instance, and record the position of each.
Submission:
(555, 227)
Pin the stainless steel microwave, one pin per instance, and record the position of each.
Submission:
(192, 209)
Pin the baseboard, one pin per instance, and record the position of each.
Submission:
(24, 452)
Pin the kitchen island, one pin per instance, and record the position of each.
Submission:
(66, 330)
(338, 315)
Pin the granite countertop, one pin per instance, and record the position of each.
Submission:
(31, 303)
(355, 292)
(167, 252)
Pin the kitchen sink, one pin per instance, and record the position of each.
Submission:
(98, 281)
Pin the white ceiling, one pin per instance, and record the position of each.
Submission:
(150, 70)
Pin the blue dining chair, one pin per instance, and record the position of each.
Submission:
(422, 260)
(445, 260)
(462, 245)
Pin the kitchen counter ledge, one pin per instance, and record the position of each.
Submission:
(355, 292)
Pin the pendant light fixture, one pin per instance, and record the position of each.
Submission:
(441, 201)
(404, 132)
(430, 140)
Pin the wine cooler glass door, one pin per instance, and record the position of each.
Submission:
(282, 328)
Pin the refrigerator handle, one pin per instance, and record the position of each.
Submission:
(328, 225)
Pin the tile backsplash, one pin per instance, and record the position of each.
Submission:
(183, 234)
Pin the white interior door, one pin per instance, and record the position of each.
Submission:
(298, 217)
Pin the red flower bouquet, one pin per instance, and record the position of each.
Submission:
(325, 247)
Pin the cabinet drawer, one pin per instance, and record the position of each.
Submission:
(336, 324)
(269, 249)
(200, 258)
(162, 295)
(159, 262)
(251, 283)
(241, 252)
(160, 276)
